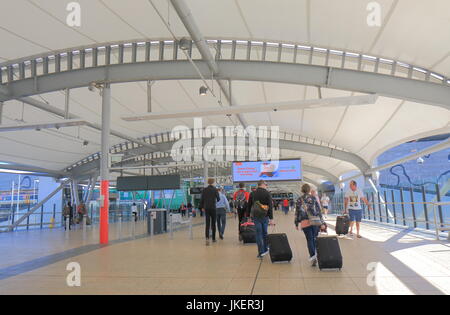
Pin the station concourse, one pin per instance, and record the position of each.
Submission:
(114, 115)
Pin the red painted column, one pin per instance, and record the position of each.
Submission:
(104, 213)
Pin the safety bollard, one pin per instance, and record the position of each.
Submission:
(67, 226)
(191, 234)
(120, 225)
(171, 226)
(133, 229)
(84, 226)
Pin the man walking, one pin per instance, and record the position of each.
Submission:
(352, 206)
(260, 207)
(210, 196)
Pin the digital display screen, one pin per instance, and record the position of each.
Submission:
(253, 171)
(158, 182)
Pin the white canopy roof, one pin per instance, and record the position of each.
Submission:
(414, 32)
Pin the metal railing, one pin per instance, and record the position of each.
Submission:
(430, 216)
(48, 216)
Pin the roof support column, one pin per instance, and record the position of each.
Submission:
(104, 163)
(205, 172)
(66, 105)
(1, 112)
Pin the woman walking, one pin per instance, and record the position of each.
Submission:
(309, 216)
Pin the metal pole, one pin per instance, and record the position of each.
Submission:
(104, 167)
(425, 208)
(1, 112)
(18, 195)
(436, 227)
(11, 212)
(402, 200)
(386, 206)
(379, 206)
(84, 226)
(120, 225)
(149, 98)
(191, 233)
(411, 190)
(205, 173)
(374, 207)
(42, 215)
(438, 199)
(171, 225)
(66, 105)
(393, 206)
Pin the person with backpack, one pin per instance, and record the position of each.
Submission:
(240, 199)
(81, 210)
(68, 214)
(260, 209)
(309, 216)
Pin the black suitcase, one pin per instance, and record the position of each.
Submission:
(279, 249)
(342, 225)
(247, 233)
(329, 253)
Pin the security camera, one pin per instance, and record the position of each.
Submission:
(92, 86)
(420, 160)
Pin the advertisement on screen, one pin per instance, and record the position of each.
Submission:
(253, 171)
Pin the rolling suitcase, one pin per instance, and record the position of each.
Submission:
(329, 253)
(342, 225)
(279, 249)
(247, 232)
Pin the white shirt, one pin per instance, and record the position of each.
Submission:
(354, 199)
(325, 200)
(134, 209)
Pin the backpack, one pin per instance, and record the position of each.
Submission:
(241, 201)
(309, 207)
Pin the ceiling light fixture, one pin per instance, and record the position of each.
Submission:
(203, 90)
(184, 43)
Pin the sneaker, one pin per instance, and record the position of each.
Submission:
(259, 256)
(207, 242)
(221, 237)
(265, 253)
(214, 241)
(313, 260)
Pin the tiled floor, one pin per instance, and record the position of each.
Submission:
(385, 261)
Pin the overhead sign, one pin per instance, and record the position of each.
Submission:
(253, 171)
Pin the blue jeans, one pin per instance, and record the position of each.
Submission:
(221, 220)
(261, 226)
(311, 233)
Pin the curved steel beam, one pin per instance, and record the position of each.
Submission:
(283, 145)
(306, 168)
(264, 71)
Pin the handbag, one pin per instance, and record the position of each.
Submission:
(259, 210)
